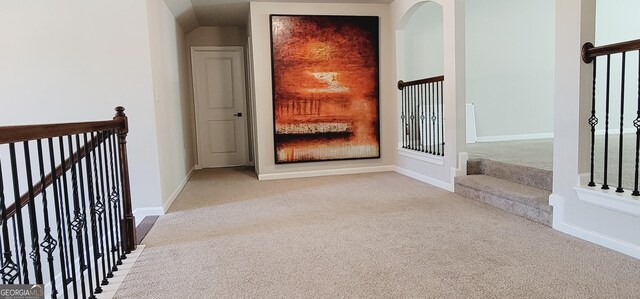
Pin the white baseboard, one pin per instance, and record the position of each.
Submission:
(176, 192)
(560, 224)
(140, 213)
(425, 179)
(515, 137)
(327, 172)
(437, 160)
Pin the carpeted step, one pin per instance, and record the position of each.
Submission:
(534, 177)
(526, 201)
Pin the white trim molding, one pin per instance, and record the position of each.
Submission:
(174, 195)
(515, 137)
(609, 199)
(560, 224)
(437, 160)
(326, 172)
(425, 179)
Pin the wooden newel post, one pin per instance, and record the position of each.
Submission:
(128, 224)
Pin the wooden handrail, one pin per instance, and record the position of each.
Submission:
(402, 84)
(14, 134)
(590, 52)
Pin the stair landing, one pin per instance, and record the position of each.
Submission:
(520, 190)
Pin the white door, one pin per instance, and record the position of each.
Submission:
(220, 104)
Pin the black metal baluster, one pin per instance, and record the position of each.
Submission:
(93, 210)
(59, 218)
(10, 269)
(636, 123)
(606, 126)
(436, 123)
(427, 125)
(67, 211)
(83, 202)
(418, 133)
(100, 204)
(15, 246)
(416, 103)
(33, 222)
(115, 196)
(593, 121)
(403, 115)
(620, 149)
(440, 119)
(48, 242)
(110, 212)
(78, 219)
(20, 228)
(423, 136)
(433, 119)
(412, 131)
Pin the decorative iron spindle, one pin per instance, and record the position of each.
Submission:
(77, 224)
(15, 247)
(110, 212)
(620, 149)
(33, 222)
(93, 263)
(605, 186)
(59, 220)
(99, 208)
(48, 243)
(115, 198)
(593, 121)
(84, 229)
(636, 123)
(67, 212)
(18, 204)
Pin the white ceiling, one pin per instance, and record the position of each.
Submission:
(193, 13)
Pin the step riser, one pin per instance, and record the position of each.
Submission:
(513, 207)
(538, 178)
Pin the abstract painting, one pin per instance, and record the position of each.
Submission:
(325, 87)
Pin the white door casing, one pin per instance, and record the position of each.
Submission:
(220, 106)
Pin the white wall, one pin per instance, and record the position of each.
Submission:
(260, 35)
(510, 66)
(69, 61)
(617, 21)
(439, 172)
(173, 112)
(424, 43)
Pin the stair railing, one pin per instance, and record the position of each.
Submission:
(71, 229)
(421, 115)
(590, 53)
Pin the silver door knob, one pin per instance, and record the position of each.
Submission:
(239, 114)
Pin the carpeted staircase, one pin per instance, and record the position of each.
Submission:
(517, 189)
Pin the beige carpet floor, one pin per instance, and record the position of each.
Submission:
(377, 235)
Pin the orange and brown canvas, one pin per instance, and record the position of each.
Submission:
(325, 87)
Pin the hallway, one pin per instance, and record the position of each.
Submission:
(368, 235)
